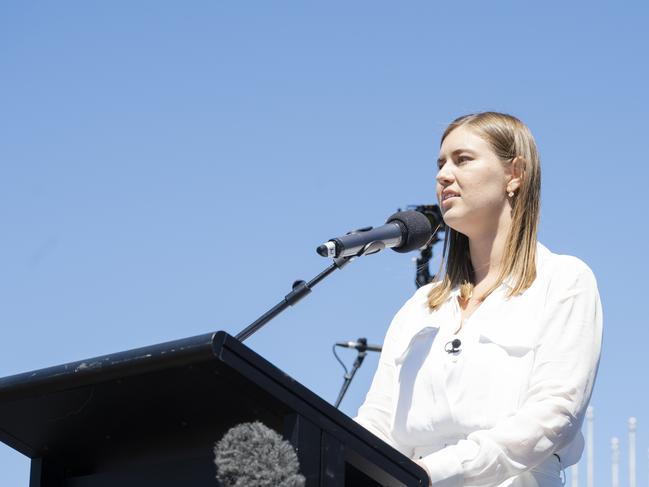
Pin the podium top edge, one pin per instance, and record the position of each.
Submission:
(105, 367)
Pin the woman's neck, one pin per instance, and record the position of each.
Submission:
(487, 252)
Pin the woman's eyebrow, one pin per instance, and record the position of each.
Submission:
(455, 153)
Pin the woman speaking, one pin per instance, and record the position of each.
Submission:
(486, 373)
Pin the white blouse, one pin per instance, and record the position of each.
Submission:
(510, 403)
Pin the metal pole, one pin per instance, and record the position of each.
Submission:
(632, 427)
(615, 462)
(590, 477)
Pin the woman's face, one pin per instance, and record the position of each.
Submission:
(472, 184)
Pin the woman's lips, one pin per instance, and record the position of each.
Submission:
(446, 201)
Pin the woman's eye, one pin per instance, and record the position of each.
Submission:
(462, 159)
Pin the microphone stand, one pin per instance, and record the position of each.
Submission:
(422, 276)
(300, 290)
(434, 215)
(349, 376)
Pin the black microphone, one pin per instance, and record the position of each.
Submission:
(453, 346)
(254, 454)
(360, 345)
(404, 231)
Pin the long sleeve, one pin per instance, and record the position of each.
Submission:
(563, 372)
(375, 414)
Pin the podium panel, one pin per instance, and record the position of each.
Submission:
(151, 416)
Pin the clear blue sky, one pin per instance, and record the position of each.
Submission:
(168, 168)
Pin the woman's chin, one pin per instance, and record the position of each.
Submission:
(452, 220)
(457, 223)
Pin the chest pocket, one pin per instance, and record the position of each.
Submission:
(516, 339)
(494, 373)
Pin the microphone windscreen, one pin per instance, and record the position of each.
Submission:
(416, 229)
(253, 454)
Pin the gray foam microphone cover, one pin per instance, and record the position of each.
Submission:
(416, 227)
(252, 454)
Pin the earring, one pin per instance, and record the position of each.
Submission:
(510, 194)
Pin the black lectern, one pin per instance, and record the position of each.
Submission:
(151, 416)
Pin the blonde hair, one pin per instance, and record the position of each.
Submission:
(510, 139)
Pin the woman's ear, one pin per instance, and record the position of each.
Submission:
(516, 171)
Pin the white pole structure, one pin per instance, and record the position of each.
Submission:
(574, 475)
(632, 427)
(590, 476)
(615, 462)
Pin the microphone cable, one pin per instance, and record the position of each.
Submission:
(362, 348)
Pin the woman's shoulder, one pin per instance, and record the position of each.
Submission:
(562, 268)
(414, 313)
(418, 301)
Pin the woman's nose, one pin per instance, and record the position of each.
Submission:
(444, 175)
